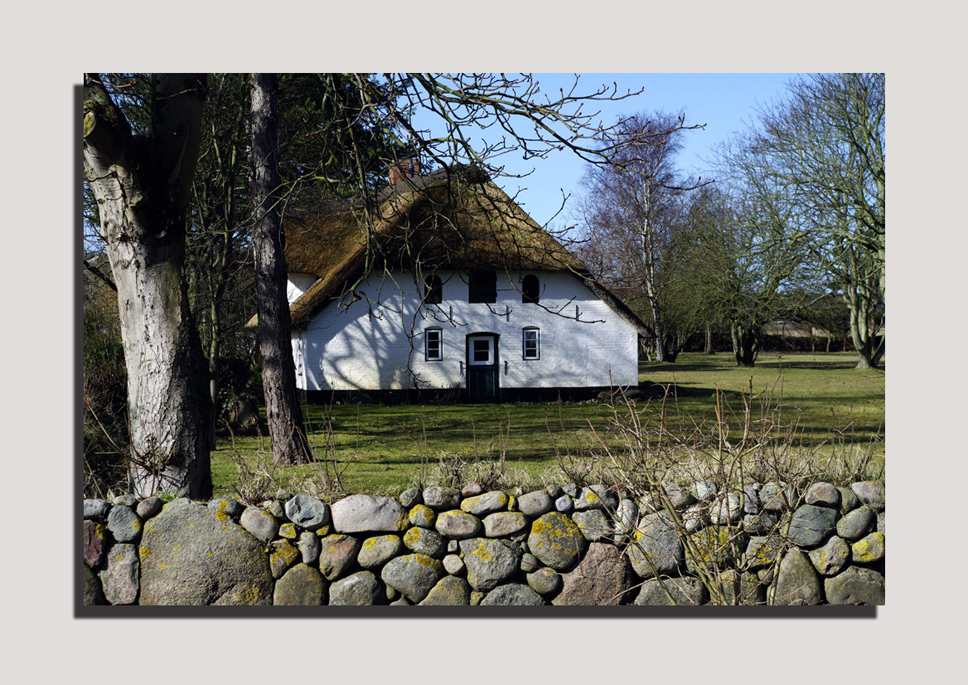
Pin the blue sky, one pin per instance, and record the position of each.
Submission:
(724, 102)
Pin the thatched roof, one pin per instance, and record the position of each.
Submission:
(451, 219)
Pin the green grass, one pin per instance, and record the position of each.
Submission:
(384, 449)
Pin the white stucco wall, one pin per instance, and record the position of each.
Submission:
(298, 284)
(371, 343)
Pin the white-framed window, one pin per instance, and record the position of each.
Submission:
(531, 343)
(433, 345)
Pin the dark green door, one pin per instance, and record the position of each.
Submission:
(482, 376)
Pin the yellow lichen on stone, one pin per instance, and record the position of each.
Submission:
(221, 515)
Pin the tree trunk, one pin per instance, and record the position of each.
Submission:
(746, 344)
(141, 186)
(286, 432)
(709, 341)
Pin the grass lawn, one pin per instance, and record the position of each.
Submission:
(386, 448)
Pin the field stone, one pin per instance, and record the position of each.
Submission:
(127, 500)
(556, 541)
(423, 541)
(414, 575)
(656, 541)
(704, 490)
(458, 525)
(554, 491)
(742, 589)
(277, 509)
(627, 519)
(453, 547)
(282, 555)
(544, 581)
(440, 498)
(288, 531)
(309, 547)
(124, 524)
(512, 594)
(449, 591)
(422, 516)
(678, 496)
(856, 585)
(830, 559)
(488, 562)
(871, 493)
(762, 551)
(96, 509)
(148, 507)
(777, 499)
(564, 504)
(477, 597)
(454, 565)
(823, 494)
(92, 592)
(368, 514)
(302, 585)
(529, 563)
(596, 497)
(751, 499)
(713, 548)
(505, 524)
(307, 512)
(856, 524)
(760, 524)
(190, 557)
(848, 500)
(868, 549)
(120, 579)
(602, 578)
(337, 554)
(94, 543)
(359, 589)
(535, 504)
(377, 550)
(485, 504)
(570, 489)
(695, 516)
(228, 507)
(594, 524)
(811, 525)
(471, 490)
(411, 497)
(260, 523)
(797, 582)
(882, 523)
(728, 509)
(684, 591)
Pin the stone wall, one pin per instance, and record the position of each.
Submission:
(769, 544)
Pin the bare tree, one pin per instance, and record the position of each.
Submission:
(141, 183)
(629, 213)
(823, 152)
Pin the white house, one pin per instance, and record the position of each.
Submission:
(449, 286)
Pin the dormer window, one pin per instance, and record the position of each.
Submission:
(530, 289)
(482, 287)
(433, 290)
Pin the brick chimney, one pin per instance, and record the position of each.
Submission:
(407, 168)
